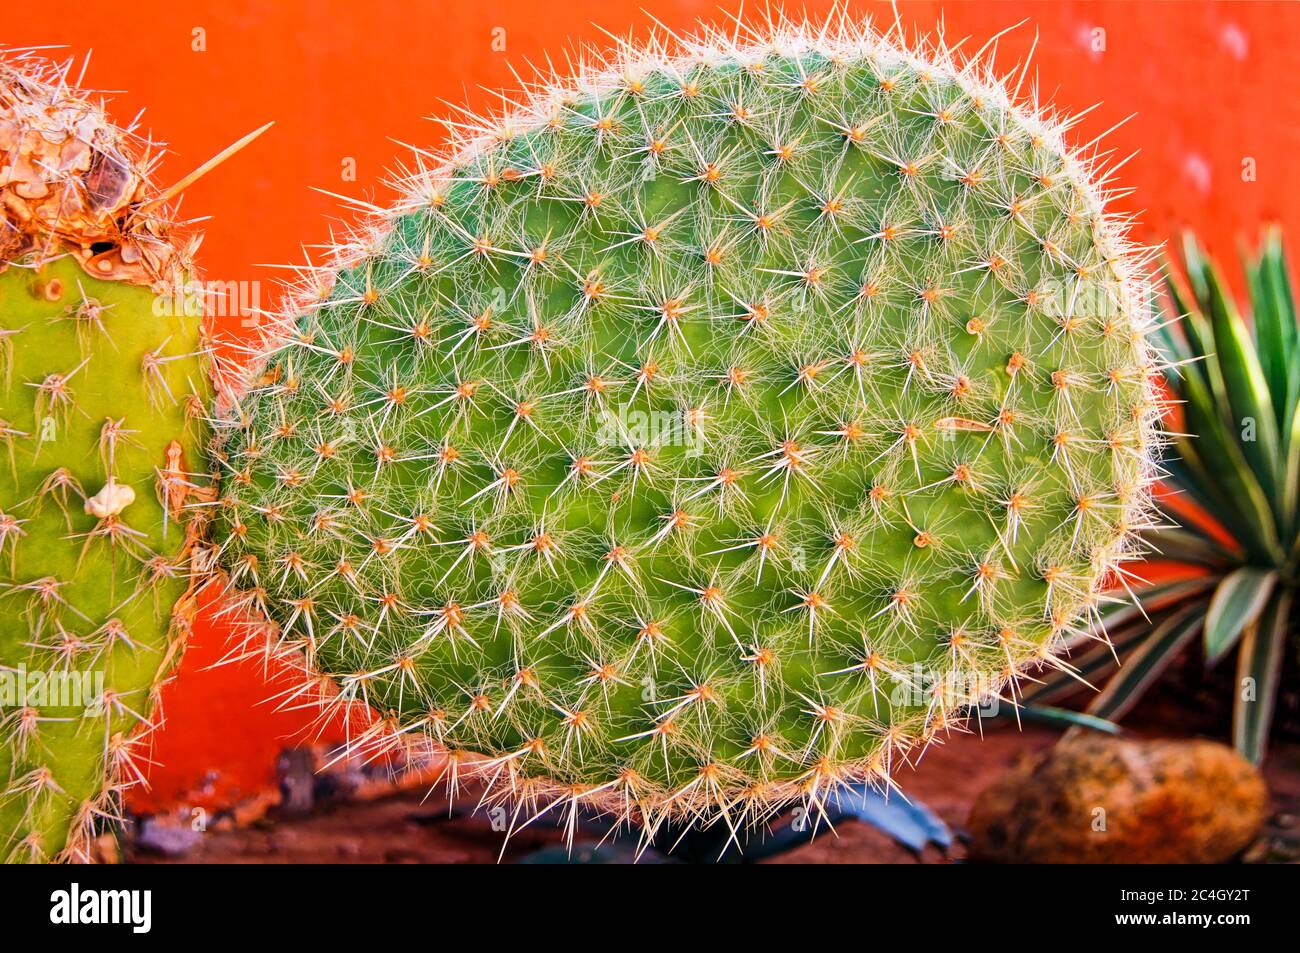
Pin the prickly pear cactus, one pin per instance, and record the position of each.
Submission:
(704, 434)
(102, 394)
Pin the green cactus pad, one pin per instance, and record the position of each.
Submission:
(705, 434)
(102, 406)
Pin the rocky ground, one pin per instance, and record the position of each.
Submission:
(351, 817)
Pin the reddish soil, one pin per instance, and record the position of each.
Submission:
(408, 827)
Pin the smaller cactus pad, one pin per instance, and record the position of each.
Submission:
(707, 433)
(102, 409)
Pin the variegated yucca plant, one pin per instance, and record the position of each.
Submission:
(1234, 483)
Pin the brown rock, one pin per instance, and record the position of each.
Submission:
(1099, 799)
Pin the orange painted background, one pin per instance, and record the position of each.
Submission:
(1214, 87)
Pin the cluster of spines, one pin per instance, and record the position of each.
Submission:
(461, 352)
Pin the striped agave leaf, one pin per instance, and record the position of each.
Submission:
(1233, 522)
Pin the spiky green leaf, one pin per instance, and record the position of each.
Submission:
(1259, 669)
(1236, 604)
(1248, 394)
(1146, 663)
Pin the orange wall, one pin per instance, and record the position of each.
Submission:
(1212, 83)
